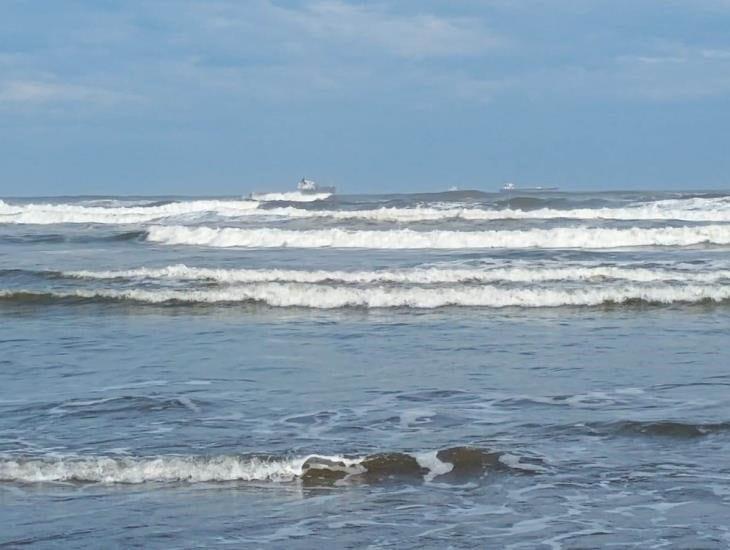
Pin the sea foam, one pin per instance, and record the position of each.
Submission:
(313, 468)
(332, 296)
(522, 273)
(695, 209)
(290, 196)
(563, 237)
(155, 469)
(45, 214)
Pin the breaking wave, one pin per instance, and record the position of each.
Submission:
(563, 237)
(696, 210)
(431, 275)
(44, 214)
(330, 297)
(312, 469)
(290, 196)
(693, 209)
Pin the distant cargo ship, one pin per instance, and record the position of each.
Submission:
(512, 188)
(308, 187)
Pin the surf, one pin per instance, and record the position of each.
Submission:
(74, 213)
(562, 237)
(521, 273)
(312, 469)
(380, 297)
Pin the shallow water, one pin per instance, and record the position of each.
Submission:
(160, 392)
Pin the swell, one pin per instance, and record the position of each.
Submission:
(139, 404)
(564, 237)
(333, 297)
(662, 428)
(456, 462)
(31, 275)
(53, 238)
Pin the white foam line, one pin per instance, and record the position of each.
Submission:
(191, 469)
(696, 209)
(157, 469)
(328, 297)
(74, 213)
(524, 273)
(563, 237)
(290, 196)
(708, 210)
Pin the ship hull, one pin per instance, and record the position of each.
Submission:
(529, 189)
(318, 191)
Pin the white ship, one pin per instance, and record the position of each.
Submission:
(308, 187)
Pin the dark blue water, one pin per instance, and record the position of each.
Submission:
(458, 370)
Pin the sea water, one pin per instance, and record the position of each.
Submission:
(458, 369)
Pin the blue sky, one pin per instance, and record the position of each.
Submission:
(224, 96)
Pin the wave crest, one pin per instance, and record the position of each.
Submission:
(290, 196)
(695, 210)
(310, 469)
(423, 275)
(45, 214)
(332, 297)
(111, 212)
(563, 237)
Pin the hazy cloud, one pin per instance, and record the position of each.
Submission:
(411, 52)
(412, 36)
(41, 92)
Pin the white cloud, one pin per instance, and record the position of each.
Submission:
(208, 52)
(411, 36)
(716, 54)
(326, 50)
(345, 28)
(692, 74)
(678, 75)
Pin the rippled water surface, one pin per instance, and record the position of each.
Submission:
(439, 370)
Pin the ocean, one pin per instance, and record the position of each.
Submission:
(435, 370)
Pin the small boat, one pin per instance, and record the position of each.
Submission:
(512, 188)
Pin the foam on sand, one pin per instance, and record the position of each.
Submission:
(563, 237)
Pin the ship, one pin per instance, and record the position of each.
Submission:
(512, 188)
(308, 187)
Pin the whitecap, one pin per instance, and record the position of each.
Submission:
(562, 237)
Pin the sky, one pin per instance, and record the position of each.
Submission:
(204, 97)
